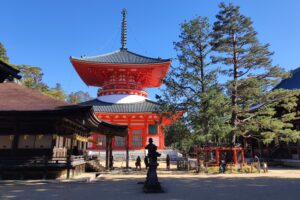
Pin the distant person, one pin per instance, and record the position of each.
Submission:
(138, 163)
(146, 161)
(168, 162)
(265, 167)
(222, 166)
(257, 163)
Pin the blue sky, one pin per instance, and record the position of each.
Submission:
(46, 33)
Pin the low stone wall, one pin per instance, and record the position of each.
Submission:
(289, 162)
(40, 172)
(133, 154)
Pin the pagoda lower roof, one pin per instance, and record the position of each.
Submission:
(122, 56)
(138, 107)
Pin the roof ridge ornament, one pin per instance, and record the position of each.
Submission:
(124, 30)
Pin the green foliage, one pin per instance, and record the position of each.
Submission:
(274, 121)
(250, 69)
(56, 92)
(246, 106)
(178, 136)
(32, 78)
(3, 55)
(78, 97)
(192, 86)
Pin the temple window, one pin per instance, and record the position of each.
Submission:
(137, 141)
(119, 141)
(122, 78)
(26, 141)
(101, 141)
(131, 79)
(6, 141)
(152, 129)
(43, 141)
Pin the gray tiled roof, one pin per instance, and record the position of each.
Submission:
(291, 83)
(122, 56)
(144, 106)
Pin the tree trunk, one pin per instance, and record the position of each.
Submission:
(298, 148)
(234, 94)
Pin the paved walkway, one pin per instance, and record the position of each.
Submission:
(277, 185)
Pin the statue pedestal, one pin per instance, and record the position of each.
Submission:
(152, 184)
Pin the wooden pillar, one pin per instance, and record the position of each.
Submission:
(243, 155)
(206, 156)
(110, 151)
(234, 156)
(107, 152)
(127, 151)
(198, 158)
(260, 148)
(289, 149)
(298, 148)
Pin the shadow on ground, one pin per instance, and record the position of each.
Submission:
(224, 188)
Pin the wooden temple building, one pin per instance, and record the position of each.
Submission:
(41, 137)
(122, 77)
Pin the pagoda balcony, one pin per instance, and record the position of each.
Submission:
(139, 92)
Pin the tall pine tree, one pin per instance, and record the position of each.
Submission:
(250, 69)
(192, 86)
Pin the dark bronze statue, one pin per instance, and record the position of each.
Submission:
(151, 184)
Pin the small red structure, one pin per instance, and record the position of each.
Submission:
(215, 154)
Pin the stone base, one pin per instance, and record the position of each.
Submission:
(153, 189)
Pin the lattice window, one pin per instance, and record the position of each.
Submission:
(152, 129)
(119, 141)
(112, 79)
(137, 141)
(122, 78)
(6, 141)
(131, 79)
(101, 141)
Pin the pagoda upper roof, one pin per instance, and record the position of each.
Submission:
(122, 56)
(94, 71)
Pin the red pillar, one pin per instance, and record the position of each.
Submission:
(234, 156)
(217, 156)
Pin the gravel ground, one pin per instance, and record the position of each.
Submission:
(278, 184)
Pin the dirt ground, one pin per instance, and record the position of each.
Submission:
(278, 184)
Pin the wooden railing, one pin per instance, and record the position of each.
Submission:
(41, 161)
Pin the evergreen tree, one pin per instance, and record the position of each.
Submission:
(192, 86)
(57, 92)
(78, 97)
(3, 55)
(32, 77)
(178, 136)
(250, 70)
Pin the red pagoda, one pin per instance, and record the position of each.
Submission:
(122, 77)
